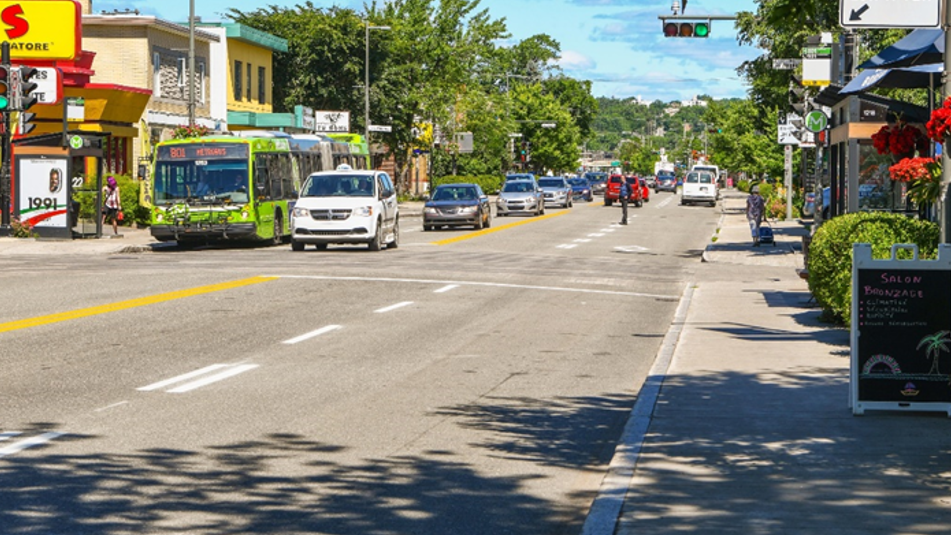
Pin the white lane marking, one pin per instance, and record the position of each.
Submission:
(9, 434)
(232, 371)
(567, 246)
(479, 283)
(596, 235)
(631, 249)
(312, 334)
(446, 288)
(611, 229)
(183, 377)
(583, 240)
(665, 202)
(393, 307)
(114, 405)
(21, 445)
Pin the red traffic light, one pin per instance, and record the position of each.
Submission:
(671, 30)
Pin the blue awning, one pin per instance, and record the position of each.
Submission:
(927, 76)
(919, 47)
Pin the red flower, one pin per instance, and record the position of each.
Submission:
(912, 169)
(940, 124)
(899, 138)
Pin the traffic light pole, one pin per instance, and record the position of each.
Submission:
(945, 200)
(5, 203)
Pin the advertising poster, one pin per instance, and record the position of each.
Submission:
(42, 193)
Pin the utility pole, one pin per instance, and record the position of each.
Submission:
(5, 202)
(191, 62)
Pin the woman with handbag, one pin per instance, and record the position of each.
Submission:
(112, 204)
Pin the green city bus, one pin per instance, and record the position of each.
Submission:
(241, 186)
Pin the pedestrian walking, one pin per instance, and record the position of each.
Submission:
(624, 195)
(112, 204)
(755, 206)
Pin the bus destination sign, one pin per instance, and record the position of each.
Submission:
(204, 151)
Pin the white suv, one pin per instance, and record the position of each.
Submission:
(346, 206)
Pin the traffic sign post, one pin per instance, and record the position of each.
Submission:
(890, 13)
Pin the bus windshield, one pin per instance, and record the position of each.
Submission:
(215, 174)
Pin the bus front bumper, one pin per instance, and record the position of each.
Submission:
(208, 231)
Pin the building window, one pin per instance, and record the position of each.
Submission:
(157, 74)
(262, 86)
(238, 75)
(249, 83)
(182, 73)
(201, 82)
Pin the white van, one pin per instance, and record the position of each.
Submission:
(699, 186)
(346, 206)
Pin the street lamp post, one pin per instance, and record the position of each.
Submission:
(366, 80)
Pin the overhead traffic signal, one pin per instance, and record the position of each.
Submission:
(696, 28)
(25, 87)
(5, 93)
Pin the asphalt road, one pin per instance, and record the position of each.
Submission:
(465, 383)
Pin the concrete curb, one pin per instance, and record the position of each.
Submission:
(606, 509)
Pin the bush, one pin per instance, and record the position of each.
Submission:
(830, 253)
(743, 185)
(489, 183)
(129, 197)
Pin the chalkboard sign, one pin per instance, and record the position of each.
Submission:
(901, 332)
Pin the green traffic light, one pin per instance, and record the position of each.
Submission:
(4, 103)
(701, 29)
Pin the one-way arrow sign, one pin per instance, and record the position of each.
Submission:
(890, 13)
(857, 15)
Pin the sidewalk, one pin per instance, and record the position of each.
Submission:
(748, 429)
(129, 240)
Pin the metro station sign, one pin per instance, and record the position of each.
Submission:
(41, 29)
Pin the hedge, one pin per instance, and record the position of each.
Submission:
(129, 197)
(830, 253)
(489, 183)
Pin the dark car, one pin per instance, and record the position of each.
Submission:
(457, 204)
(666, 183)
(612, 193)
(598, 181)
(580, 189)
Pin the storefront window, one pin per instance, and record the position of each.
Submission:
(877, 191)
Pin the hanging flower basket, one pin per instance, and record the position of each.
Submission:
(939, 127)
(923, 176)
(900, 139)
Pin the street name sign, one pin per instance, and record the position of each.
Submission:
(890, 13)
(786, 64)
(380, 128)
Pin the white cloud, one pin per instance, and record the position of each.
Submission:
(576, 61)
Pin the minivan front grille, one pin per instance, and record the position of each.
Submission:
(331, 215)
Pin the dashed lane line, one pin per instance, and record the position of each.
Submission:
(312, 334)
(226, 371)
(393, 307)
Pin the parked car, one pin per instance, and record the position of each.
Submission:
(651, 181)
(581, 189)
(699, 186)
(346, 206)
(611, 193)
(556, 190)
(520, 197)
(666, 183)
(457, 205)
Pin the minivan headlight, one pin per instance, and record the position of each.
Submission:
(363, 211)
(301, 212)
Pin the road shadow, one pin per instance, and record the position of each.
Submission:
(276, 484)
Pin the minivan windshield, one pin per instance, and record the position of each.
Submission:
(338, 186)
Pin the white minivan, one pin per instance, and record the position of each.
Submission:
(346, 206)
(699, 186)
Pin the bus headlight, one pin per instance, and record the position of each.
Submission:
(159, 217)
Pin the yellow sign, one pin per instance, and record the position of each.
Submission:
(41, 29)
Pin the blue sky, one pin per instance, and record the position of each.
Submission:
(617, 44)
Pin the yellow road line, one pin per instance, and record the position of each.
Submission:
(496, 229)
(131, 303)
